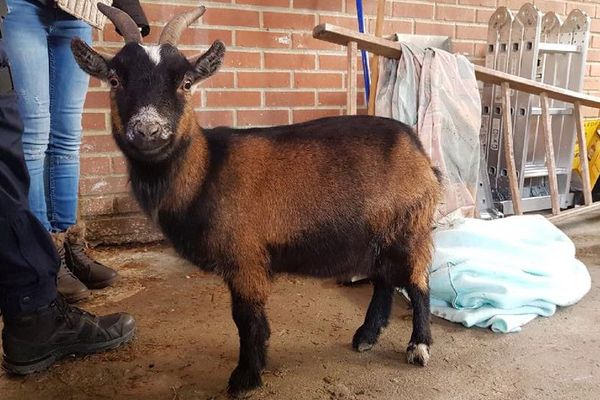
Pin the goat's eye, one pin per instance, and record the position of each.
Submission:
(114, 82)
(187, 85)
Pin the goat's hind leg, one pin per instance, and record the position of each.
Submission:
(377, 316)
(418, 256)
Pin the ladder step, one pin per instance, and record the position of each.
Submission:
(535, 171)
(558, 48)
(553, 110)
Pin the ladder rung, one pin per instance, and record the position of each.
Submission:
(553, 110)
(535, 171)
(558, 48)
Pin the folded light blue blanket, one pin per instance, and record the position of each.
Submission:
(503, 273)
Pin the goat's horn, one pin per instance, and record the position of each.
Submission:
(123, 22)
(172, 31)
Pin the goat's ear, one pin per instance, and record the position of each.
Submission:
(208, 63)
(89, 59)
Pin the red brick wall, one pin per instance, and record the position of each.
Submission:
(274, 73)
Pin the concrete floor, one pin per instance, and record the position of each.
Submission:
(186, 344)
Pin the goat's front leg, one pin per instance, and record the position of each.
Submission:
(248, 298)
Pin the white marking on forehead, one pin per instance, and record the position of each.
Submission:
(153, 53)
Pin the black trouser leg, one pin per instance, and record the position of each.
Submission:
(28, 260)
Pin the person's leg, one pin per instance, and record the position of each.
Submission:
(68, 87)
(28, 260)
(25, 36)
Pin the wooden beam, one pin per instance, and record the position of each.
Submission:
(550, 161)
(351, 79)
(583, 155)
(375, 58)
(509, 153)
(574, 212)
(384, 47)
(335, 34)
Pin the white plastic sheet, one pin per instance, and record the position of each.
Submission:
(436, 93)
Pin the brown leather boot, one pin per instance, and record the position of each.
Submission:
(89, 271)
(66, 283)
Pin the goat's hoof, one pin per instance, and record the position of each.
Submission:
(364, 339)
(243, 380)
(417, 354)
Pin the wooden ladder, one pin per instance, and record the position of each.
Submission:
(387, 48)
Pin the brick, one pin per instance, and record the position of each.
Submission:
(103, 185)
(289, 61)
(98, 144)
(94, 82)
(485, 3)
(329, 5)
(231, 17)
(390, 27)
(199, 36)
(591, 84)
(288, 21)
(483, 15)
(210, 119)
(263, 79)
(471, 32)
(589, 9)
(93, 121)
(91, 166)
(317, 80)
(262, 117)
(262, 39)
(91, 206)
(126, 229)
(595, 41)
(593, 55)
(426, 28)
(119, 166)
(338, 63)
(307, 115)
(221, 79)
(266, 3)
(556, 6)
(241, 59)
(125, 205)
(414, 10)
(306, 41)
(369, 7)
(595, 69)
(289, 99)
(480, 49)
(97, 100)
(453, 13)
(462, 47)
(233, 99)
(346, 22)
(157, 13)
(332, 98)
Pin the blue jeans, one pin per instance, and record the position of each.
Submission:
(51, 89)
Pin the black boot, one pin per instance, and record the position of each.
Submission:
(89, 271)
(33, 342)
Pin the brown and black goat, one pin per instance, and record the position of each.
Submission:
(331, 197)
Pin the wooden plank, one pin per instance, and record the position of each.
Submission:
(509, 153)
(335, 34)
(574, 212)
(351, 79)
(375, 58)
(583, 155)
(550, 161)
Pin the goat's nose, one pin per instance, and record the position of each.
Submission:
(147, 130)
